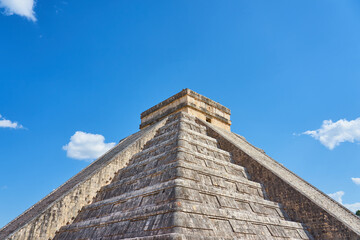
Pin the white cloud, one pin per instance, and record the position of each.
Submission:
(4, 123)
(86, 146)
(331, 134)
(337, 196)
(356, 180)
(23, 8)
(353, 207)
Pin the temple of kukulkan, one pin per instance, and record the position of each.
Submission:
(185, 175)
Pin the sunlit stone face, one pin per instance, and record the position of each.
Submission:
(190, 102)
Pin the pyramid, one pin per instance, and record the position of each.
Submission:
(185, 175)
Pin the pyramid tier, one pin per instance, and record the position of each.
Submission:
(180, 168)
(184, 217)
(185, 190)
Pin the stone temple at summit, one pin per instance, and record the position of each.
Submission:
(185, 175)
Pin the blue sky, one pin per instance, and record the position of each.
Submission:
(75, 76)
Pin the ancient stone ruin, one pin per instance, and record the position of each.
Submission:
(185, 175)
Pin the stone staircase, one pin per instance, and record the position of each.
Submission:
(182, 186)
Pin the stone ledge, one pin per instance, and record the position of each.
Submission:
(178, 182)
(191, 103)
(180, 209)
(184, 92)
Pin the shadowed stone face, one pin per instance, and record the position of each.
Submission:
(325, 218)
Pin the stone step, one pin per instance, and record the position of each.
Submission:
(183, 215)
(181, 131)
(197, 146)
(213, 157)
(211, 162)
(185, 124)
(192, 236)
(184, 140)
(170, 145)
(221, 198)
(159, 138)
(220, 168)
(238, 219)
(180, 189)
(145, 165)
(220, 174)
(181, 169)
(164, 146)
(184, 155)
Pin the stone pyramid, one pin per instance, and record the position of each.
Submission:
(185, 175)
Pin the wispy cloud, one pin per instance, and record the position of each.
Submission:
(87, 146)
(356, 180)
(353, 207)
(331, 134)
(5, 123)
(3, 187)
(23, 8)
(337, 196)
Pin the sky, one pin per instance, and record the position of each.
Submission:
(75, 76)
